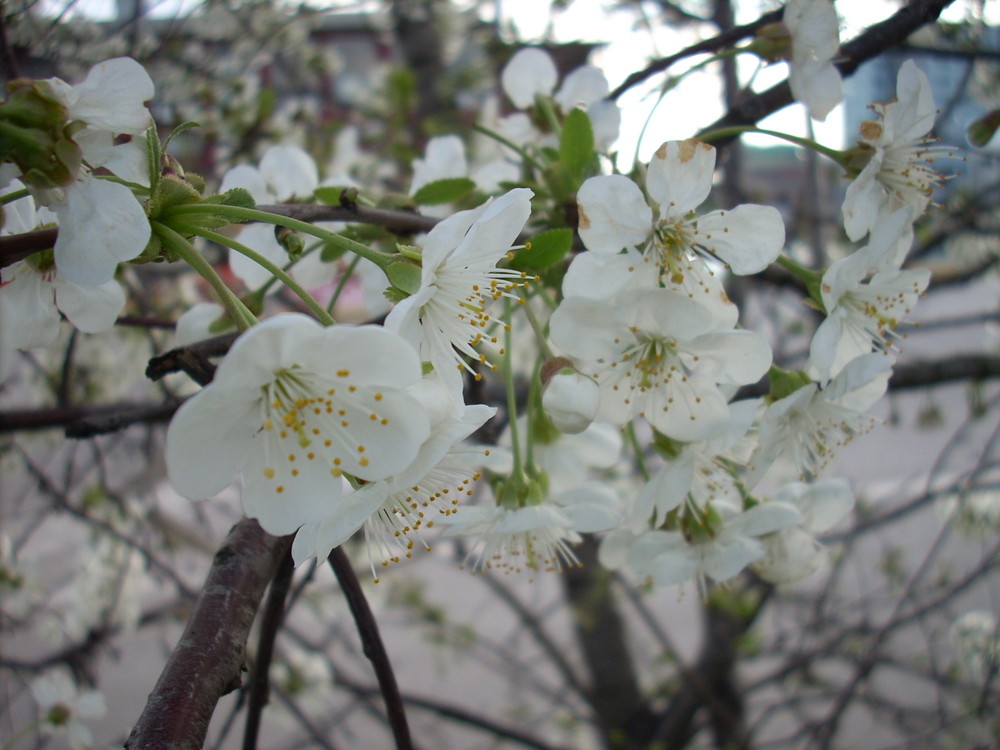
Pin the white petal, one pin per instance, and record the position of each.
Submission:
(259, 238)
(289, 172)
(349, 513)
(613, 214)
(528, 73)
(112, 97)
(100, 225)
(748, 238)
(605, 120)
(680, 176)
(729, 557)
(818, 87)
(92, 309)
(733, 357)
(444, 157)
(249, 178)
(208, 442)
(581, 88)
(862, 200)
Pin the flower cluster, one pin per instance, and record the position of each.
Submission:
(335, 429)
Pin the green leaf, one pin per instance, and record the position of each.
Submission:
(444, 191)
(576, 146)
(546, 249)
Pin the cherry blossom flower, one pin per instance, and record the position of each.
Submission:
(64, 708)
(447, 317)
(815, 33)
(295, 406)
(697, 473)
(899, 156)
(395, 510)
(807, 426)
(531, 73)
(659, 355)
(536, 537)
(34, 293)
(614, 215)
(861, 314)
(724, 544)
(974, 638)
(101, 222)
(794, 552)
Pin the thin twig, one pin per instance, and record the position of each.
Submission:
(274, 613)
(372, 646)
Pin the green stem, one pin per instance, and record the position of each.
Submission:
(273, 268)
(177, 244)
(508, 374)
(239, 213)
(21, 734)
(16, 195)
(633, 440)
(832, 153)
(511, 145)
(345, 277)
(544, 105)
(538, 328)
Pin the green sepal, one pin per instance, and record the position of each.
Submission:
(666, 446)
(785, 382)
(239, 197)
(35, 135)
(576, 145)
(404, 276)
(544, 250)
(395, 295)
(172, 190)
(450, 190)
(982, 131)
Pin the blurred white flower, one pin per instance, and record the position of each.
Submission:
(64, 708)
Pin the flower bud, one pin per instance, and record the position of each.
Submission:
(772, 43)
(570, 399)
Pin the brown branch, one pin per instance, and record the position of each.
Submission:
(871, 43)
(720, 41)
(15, 247)
(209, 658)
(86, 421)
(624, 718)
(192, 359)
(372, 646)
(925, 373)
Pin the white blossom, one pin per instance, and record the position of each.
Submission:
(899, 172)
(64, 709)
(448, 316)
(659, 355)
(295, 406)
